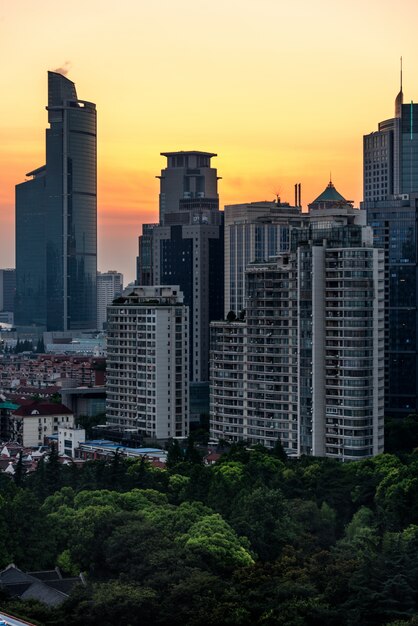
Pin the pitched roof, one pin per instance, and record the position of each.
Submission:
(43, 593)
(329, 195)
(43, 408)
(45, 586)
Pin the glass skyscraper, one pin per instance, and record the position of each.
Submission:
(391, 199)
(56, 219)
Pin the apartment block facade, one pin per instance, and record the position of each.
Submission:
(148, 362)
(307, 364)
(109, 287)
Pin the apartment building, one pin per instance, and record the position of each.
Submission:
(148, 362)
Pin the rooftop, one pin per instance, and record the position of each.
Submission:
(43, 408)
(329, 198)
(188, 152)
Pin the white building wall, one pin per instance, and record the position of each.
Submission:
(148, 362)
(37, 427)
(69, 439)
(379, 352)
(318, 351)
(109, 286)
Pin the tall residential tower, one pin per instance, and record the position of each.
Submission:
(148, 361)
(306, 363)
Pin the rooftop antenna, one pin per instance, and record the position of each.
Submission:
(401, 73)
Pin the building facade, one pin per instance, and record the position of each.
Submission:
(109, 287)
(188, 182)
(148, 362)
(69, 439)
(32, 423)
(144, 260)
(253, 231)
(7, 290)
(391, 200)
(56, 219)
(187, 248)
(306, 366)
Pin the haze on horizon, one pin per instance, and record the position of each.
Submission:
(283, 93)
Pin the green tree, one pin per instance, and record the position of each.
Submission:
(216, 542)
(174, 454)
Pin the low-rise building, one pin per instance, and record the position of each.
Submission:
(69, 439)
(31, 423)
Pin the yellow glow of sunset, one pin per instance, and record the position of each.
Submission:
(282, 91)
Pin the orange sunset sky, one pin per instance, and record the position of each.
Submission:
(281, 91)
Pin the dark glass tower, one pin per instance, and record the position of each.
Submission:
(187, 249)
(391, 198)
(56, 219)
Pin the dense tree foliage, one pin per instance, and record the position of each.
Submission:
(256, 539)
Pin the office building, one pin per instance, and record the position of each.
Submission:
(390, 154)
(56, 222)
(187, 185)
(7, 290)
(144, 260)
(109, 286)
(391, 200)
(187, 249)
(306, 364)
(148, 362)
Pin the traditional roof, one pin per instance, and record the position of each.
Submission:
(330, 194)
(330, 198)
(48, 587)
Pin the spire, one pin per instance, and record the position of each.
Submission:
(399, 99)
(401, 74)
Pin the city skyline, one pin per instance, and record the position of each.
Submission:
(238, 84)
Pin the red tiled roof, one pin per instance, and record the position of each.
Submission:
(43, 408)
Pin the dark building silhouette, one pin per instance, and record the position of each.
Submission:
(56, 219)
(144, 260)
(7, 289)
(187, 249)
(391, 198)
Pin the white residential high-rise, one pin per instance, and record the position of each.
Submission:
(148, 362)
(109, 287)
(253, 231)
(307, 364)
